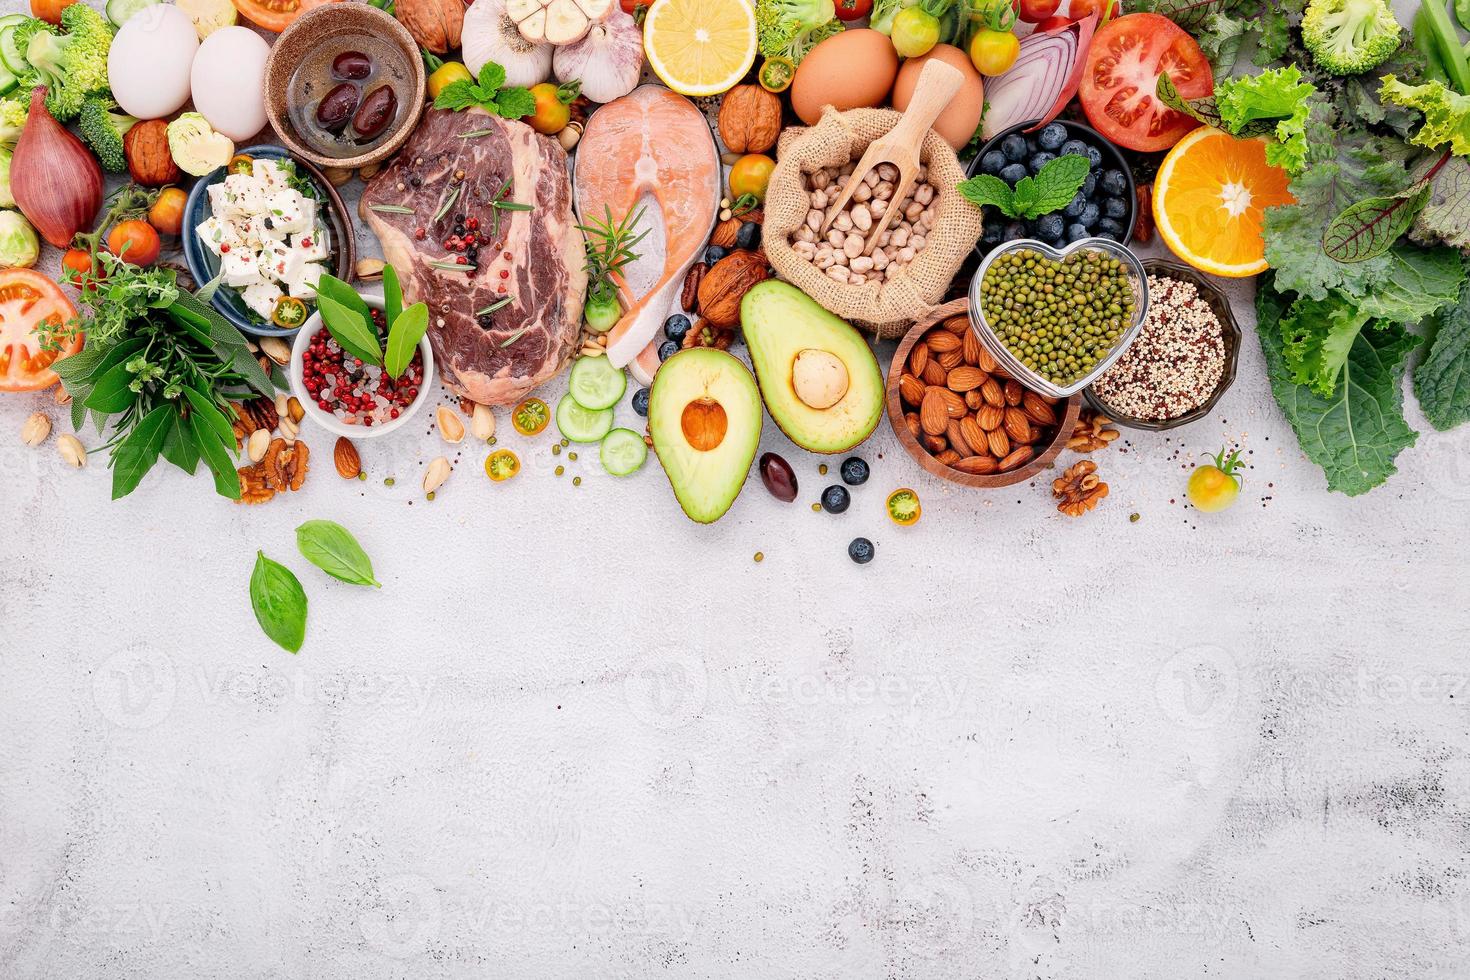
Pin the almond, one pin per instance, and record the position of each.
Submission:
(990, 417)
(1022, 454)
(970, 347)
(933, 414)
(965, 378)
(911, 389)
(450, 427)
(1037, 410)
(1017, 426)
(993, 394)
(949, 457)
(973, 400)
(957, 325)
(935, 444)
(973, 435)
(919, 359)
(348, 462)
(954, 405)
(911, 419)
(934, 374)
(257, 444)
(941, 341)
(956, 437)
(984, 361)
(1000, 445)
(976, 464)
(1013, 392)
(950, 360)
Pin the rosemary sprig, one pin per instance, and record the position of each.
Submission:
(448, 202)
(452, 267)
(610, 246)
(498, 304)
(513, 337)
(390, 209)
(475, 132)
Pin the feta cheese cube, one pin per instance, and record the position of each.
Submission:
(287, 209)
(266, 228)
(262, 297)
(313, 245)
(303, 286)
(216, 234)
(280, 262)
(245, 194)
(273, 174)
(240, 267)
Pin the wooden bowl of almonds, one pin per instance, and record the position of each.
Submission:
(960, 416)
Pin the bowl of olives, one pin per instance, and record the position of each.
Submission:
(344, 85)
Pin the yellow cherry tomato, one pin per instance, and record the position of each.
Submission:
(447, 74)
(1214, 486)
(903, 507)
(241, 164)
(530, 417)
(502, 465)
(167, 213)
(750, 175)
(552, 111)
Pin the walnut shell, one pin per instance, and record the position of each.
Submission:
(750, 119)
(146, 149)
(726, 283)
(435, 24)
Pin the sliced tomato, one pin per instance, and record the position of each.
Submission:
(275, 15)
(1121, 78)
(29, 301)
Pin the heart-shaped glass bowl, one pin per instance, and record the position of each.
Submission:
(1137, 279)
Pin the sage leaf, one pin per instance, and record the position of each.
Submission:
(404, 337)
(112, 392)
(350, 329)
(136, 454)
(226, 480)
(211, 416)
(279, 603)
(392, 298)
(332, 548)
(178, 448)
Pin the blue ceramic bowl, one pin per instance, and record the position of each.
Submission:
(204, 264)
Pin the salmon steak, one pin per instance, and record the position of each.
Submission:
(651, 143)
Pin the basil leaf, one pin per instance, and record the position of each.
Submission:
(392, 298)
(279, 603)
(226, 480)
(178, 448)
(332, 548)
(350, 329)
(212, 415)
(136, 454)
(112, 393)
(404, 337)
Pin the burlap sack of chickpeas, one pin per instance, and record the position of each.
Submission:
(887, 308)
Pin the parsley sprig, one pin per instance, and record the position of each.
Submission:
(489, 93)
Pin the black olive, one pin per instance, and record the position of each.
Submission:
(337, 107)
(375, 113)
(352, 64)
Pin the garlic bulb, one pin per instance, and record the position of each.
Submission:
(608, 61)
(489, 35)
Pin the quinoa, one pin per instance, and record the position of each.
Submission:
(1175, 364)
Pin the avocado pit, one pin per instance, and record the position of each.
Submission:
(819, 378)
(704, 423)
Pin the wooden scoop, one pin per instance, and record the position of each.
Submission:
(938, 84)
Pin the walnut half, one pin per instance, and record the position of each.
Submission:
(1079, 489)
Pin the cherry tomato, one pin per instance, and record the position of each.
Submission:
(1051, 24)
(853, 9)
(135, 242)
(446, 75)
(552, 114)
(502, 465)
(1109, 9)
(994, 52)
(31, 306)
(240, 164)
(750, 175)
(289, 312)
(903, 507)
(78, 266)
(1036, 11)
(1121, 75)
(50, 10)
(1214, 486)
(530, 417)
(915, 31)
(167, 213)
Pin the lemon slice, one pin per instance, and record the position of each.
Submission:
(700, 47)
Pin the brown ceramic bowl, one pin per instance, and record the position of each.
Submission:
(1230, 333)
(1042, 461)
(317, 27)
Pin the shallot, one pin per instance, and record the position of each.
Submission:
(608, 60)
(56, 182)
(489, 35)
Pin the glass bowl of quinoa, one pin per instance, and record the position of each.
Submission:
(1183, 359)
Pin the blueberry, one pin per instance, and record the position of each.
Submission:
(854, 471)
(1013, 230)
(1014, 147)
(666, 350)
(1114, 183)
(1052, 136)
(714, 253)
(1058, 243)
(1109, 228)
(1013, 173)
(749, 236)
(1076, 233)
(675, 327)
(1089, 215)
(1049, 227)
(1094, 156)
(1089, 184)
(835, 499)
(1115, 207)
(860, 551)
(991, 235)
(1074, 207)
(640, 401)
(992, 162)
(1073, 148)
(1040, 160)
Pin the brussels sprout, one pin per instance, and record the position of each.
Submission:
(6, 199)
(18, 244)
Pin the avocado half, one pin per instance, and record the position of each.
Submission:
(818, 376)
(704, 416)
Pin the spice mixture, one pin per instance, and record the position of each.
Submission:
(1175, 364)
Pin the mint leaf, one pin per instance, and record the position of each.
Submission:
(515, 103)
(492, 76)
(983, 189)
(1053, 187)
(1024, 197)
(1442, 380)
(457, 96)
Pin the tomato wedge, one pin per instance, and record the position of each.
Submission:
(1121, 79)
(275, 15)
(29, 300)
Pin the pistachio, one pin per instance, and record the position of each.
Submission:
(436, 474)
(450, 427)
(294, 410)
(276, 349)
(62, 396)
(260, 441)
(71, 450)
(370, 268)
(289, 430)
(37, 427)
(337, 176)
(482, 422)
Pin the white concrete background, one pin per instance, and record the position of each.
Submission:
(577, 735)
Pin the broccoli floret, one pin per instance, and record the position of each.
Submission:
(790, 28)
(13, 114)
(104, 130)
(72, 65)
(1348, 37)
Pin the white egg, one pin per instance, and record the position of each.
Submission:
(229, 81)
(149, 61)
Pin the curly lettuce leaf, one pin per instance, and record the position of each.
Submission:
(1446, 112)
(1317, 336)
(1442, 380)
(1277, 99)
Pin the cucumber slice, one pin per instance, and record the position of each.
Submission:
(596, 384)
(623, 451)
(579, 424)
(118, 11)
(8, 82)
(10, 55)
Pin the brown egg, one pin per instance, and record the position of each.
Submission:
(848, 70)
(956, 123)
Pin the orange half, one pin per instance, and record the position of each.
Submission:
(1210, 201)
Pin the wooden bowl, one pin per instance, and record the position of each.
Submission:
(317, 27)
(1020, 474)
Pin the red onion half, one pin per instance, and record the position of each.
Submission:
(54, 179)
